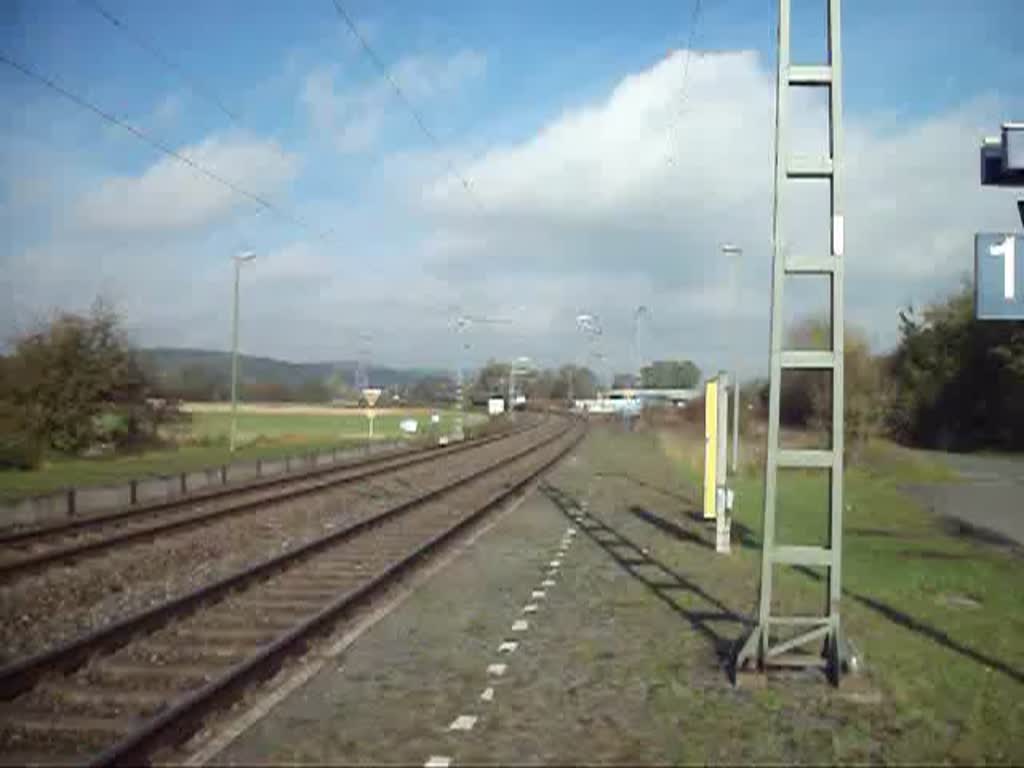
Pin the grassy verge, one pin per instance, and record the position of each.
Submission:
(938, 619)
(203, 443)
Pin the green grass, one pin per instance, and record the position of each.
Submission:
(300, 427)
(951, 673)
(204, 444)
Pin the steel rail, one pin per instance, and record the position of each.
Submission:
(187, 713)
(207, 494)
(361, 472)
(17, 677)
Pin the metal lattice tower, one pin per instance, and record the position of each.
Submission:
(780, 640)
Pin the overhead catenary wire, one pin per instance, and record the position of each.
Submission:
(154, 143)
(155, 52)
(687, 56)
(378, 62)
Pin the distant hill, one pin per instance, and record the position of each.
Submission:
(169, 363)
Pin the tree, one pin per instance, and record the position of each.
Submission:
(313, 391)
(806, 398)
(20, 446)
(555, 384)
(260, 391)
(492, 379)
(670, 374)
(958, 382)
(431, 390)
(67, 374)
(340, 389)
(197, 382)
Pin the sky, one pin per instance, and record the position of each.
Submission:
(545, 159)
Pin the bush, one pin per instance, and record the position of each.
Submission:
(20, 447)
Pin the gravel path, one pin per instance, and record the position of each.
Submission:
(617, 664)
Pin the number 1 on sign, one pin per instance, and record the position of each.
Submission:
(1006, 250)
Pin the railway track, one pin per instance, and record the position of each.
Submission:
(117, 694)
(31, 550)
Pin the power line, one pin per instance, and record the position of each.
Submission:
(683, 96)
(154, 143)
(382, 67)
(155, 51)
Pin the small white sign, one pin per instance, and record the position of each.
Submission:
(837, 236)
(409, 426)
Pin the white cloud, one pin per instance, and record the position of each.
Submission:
(640, 190)
(620, 202)
(172, 197)
(354, 117)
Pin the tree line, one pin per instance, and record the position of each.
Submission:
(952, 382)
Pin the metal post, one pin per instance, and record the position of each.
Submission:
(793, 635)
(71, 502)
(722, 521)
(511, 373)
(458, 398)
(735, 422)
(234, 360)
(734, 252)
(183, 484)
(734, 268)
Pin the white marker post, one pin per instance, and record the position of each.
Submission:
(371, 396)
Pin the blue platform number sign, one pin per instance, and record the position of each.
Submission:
(999, 276)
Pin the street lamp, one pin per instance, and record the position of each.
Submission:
(638, 362)
(523, 364)
(239, 259)
(734, 250)
(588, 324)
(460, 323)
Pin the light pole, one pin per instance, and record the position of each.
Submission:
(523, 363)
(638, 362)
(735, 251)
(239, 259)
(589, 325)
(461, 323)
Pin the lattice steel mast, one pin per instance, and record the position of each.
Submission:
(780, 640)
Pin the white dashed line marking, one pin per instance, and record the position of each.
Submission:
(487, 695)
(555, 563)
(496, 669)
(463, 723)
(508, 646)
(520, 625)
(530, 608)
(437, 761)
(537, 594)
(548, 583)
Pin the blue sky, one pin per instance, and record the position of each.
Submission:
(558, 221)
